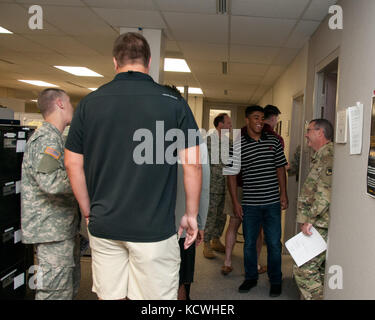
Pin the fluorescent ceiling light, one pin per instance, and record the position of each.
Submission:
(3, 30)
(34, 100)
(191, 90)
(92, 89)
(39, 83)
(176, 65)
(79, 71)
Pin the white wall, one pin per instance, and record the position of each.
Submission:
(351, 243)
(196, 105)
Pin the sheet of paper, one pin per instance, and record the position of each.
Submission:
(17, 236)
(18, 186)
(355, 128)
(341, 128)
(303, 248)
(19, 281)
(21, 145)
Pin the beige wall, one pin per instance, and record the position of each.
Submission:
(351, 243)
(196, 105)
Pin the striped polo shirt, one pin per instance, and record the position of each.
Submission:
(258, 161)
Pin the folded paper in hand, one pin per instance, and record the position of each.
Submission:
(303, 248)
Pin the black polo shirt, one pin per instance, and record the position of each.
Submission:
(114, 127)
(258, 161)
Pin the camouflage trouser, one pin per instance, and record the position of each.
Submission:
(310, 276)
(216, 217)
(59, 264)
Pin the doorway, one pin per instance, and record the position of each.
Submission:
(294, 181)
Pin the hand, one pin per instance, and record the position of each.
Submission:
(199, 238)
(305, 228)
(237, 208)
(284, 202)
(87, 221)
(191, 226)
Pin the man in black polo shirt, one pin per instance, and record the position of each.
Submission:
(116, 159)
(261, 159)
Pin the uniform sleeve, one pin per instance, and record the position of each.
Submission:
(315, 197)
(74, 141)
(50, 172)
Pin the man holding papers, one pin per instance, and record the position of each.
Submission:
(313, 205)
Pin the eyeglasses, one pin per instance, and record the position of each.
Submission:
(308, 129)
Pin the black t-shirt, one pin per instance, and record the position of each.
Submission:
(121, 130)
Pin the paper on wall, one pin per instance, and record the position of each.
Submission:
(303, 248)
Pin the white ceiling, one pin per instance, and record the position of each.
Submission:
(257, 38)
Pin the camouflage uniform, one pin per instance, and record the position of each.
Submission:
(216, 218)
(313, 207)
(49, 214)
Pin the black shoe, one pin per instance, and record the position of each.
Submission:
(275, 290)
(247, 285)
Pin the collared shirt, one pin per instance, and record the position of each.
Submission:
(259, 161)
(121, 131)
(49, 211)
(315, 197)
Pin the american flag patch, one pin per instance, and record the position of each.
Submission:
(53, 153)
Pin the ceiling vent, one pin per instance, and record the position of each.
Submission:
(221, 6)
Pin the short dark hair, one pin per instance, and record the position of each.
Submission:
(131, 48)
(326, 126)
(47, 98)
(250, 109)
(270, 110)
(219, 118)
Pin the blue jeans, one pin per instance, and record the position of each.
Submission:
(268, 216)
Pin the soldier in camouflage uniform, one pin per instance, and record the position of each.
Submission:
(216, 217)
(313, 206)
(49, 211)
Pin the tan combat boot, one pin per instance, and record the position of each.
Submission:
(217, 245)
(207, 251)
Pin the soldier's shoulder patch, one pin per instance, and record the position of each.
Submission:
(53, 153)
(329, 171)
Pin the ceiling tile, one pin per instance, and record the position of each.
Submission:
(122, 4)
(205, 67)
(301, 34)
(61, 44)
(285, 56)
(318, 9)
(21, 44)
(273, 73)
(243, 69)
(204, 51)
(291, 9)
(131, 18)
(190, 6)
(198, 27)
(260, 31)
(248, 54)
(73, 3)
(82, 21)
